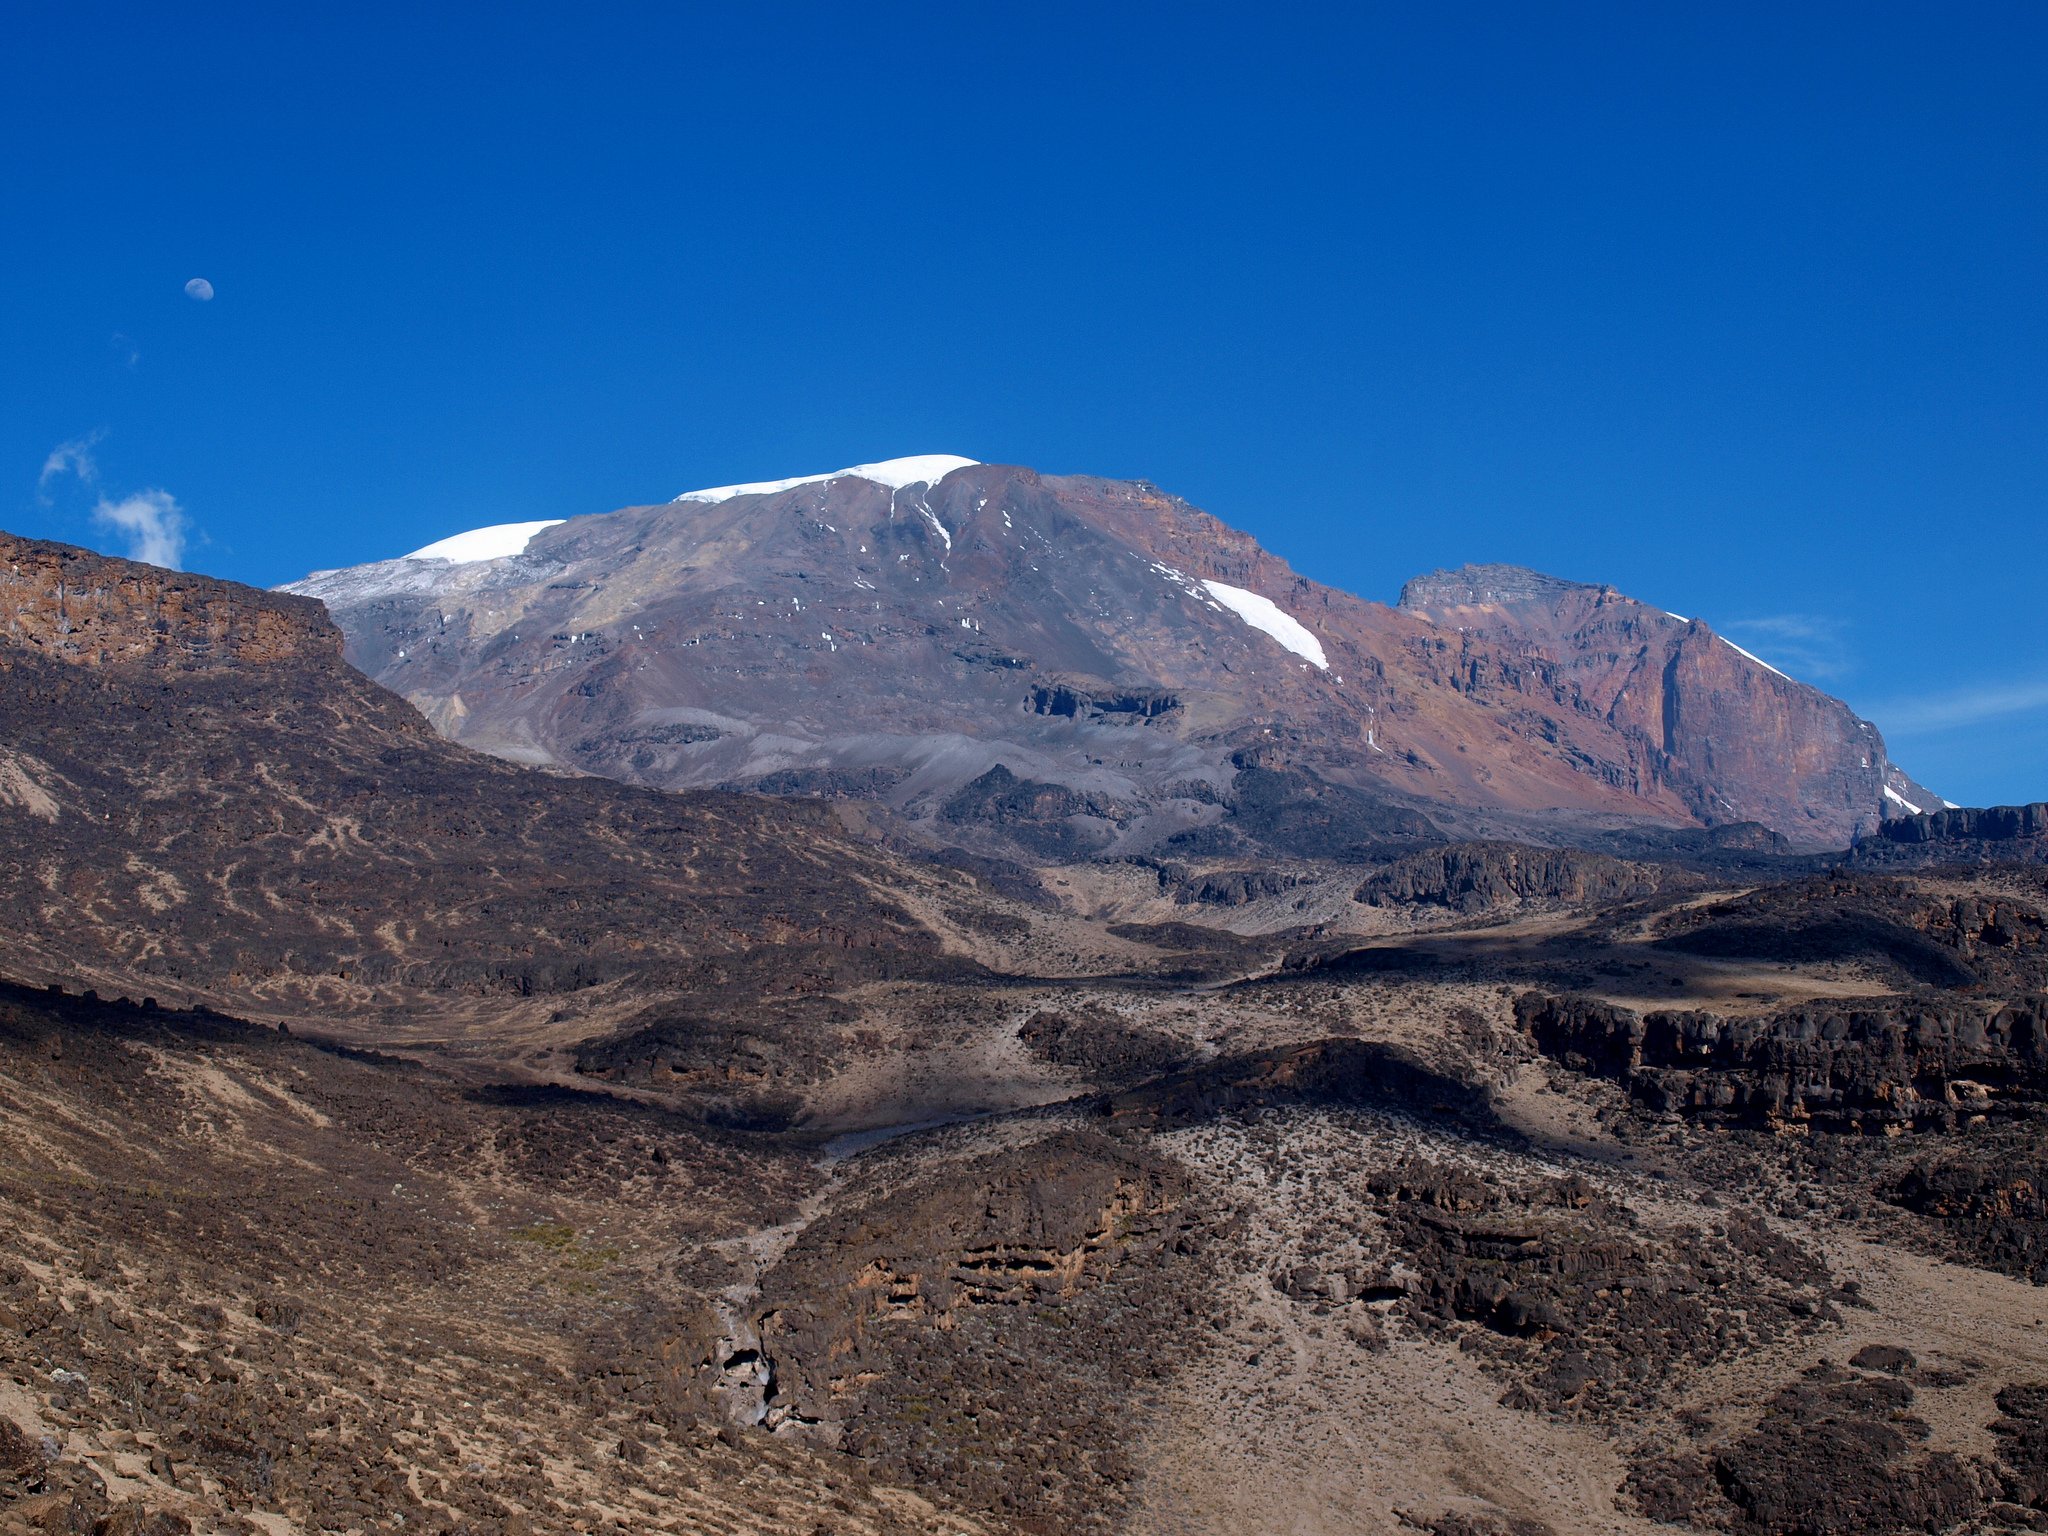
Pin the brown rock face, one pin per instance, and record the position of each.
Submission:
(1731, 738)
(846, 638)
(1477, 877)
(88, 609)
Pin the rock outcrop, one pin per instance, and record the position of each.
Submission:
(1998, 834)
(1883, 925)
(1836, 1450)
(92, 610)
(894, 1330)
(1480, 877)
(1859, 1066)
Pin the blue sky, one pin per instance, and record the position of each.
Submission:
(1741, 310)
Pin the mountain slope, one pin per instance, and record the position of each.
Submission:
(883, 634)
(200, 797)
(1735, 737)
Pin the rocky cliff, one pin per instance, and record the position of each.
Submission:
(1480, 877)
(1733, 738)
(1998, 834)
(1860, 1066)
(80, 607)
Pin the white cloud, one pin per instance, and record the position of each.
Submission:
(1931, 714)
(153, 522)
(74, 458)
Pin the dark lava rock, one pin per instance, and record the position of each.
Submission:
(1834, 1455)
(1858, 919)
(986, 1332)
(1998, 834)
(1101, 1045)
(1488, 1523)
(1477, 877)
(2022, 1436)
(744, 1056)
(1990, 1202)
(1857, 1065)
(21, 1460)
(1230, 887)
(1295, 811)
(1888, 1358)
(1917, 933)
(1049, 820)
(1582, 1308)
(1320, 1074)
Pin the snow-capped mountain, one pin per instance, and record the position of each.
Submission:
(1070, 665)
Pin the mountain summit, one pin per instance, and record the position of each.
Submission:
(1067, 665)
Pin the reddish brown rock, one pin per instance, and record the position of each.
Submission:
(92, 610)
(1730, 737)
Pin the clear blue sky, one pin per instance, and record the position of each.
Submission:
(1741, 310)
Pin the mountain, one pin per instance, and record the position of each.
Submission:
(1066, 665)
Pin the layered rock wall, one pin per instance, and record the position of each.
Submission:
(93, 610)
(1882, 1064)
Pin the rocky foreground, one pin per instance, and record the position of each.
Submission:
(395, 1140)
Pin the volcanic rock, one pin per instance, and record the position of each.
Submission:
(1999, 834)
(1857, 1065)
(1478, 877)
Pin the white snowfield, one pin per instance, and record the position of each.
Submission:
(1262, 613)
(897, 474)
(493, 543)
(503, 539)
(1898, 799)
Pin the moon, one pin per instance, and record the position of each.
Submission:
(199, 288)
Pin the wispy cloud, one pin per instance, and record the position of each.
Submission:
(1932, 714)
(1804, 644)
(152, 523)
(125, 348)
(72, 458)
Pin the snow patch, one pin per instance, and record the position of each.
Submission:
(493, 543)
(937, 527)
(897, 474)
(1747, 656)
(1186, 583)
(1898, 799)
(1263, 614)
